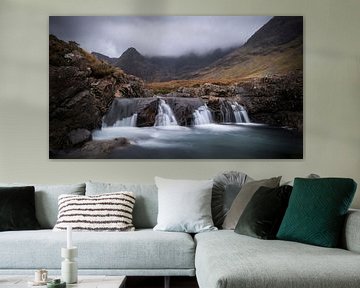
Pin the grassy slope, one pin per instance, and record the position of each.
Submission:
(242, 65)
(246, 63)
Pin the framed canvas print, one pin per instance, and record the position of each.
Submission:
(176, 87)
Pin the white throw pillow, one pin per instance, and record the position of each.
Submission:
(184, 205)
(105, 212)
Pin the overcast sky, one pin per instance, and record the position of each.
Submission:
(155, 35)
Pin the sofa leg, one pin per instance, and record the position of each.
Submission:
(167, 282)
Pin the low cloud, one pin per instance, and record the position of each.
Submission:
(156, 36)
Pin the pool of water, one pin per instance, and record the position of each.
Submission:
(210, 141)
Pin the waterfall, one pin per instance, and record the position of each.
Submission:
(233, 112)
(165, 115)
(172, 111)
(202, 115)
(240, 113)
(123, 112)
(127, 122)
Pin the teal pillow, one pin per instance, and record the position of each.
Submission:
(316, 211)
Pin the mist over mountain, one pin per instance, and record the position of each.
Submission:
(276, 48)
(162, 68)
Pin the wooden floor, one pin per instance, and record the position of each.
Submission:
(158, 282)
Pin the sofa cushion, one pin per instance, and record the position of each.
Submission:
(243, 198)
(46, 200)
(146, 205)
(184, 205)
(143, 249)
(17, 208)
(105, 212)
(351, 237)
(263, 215)
(225, 189)
(317, 210)
(225, 259)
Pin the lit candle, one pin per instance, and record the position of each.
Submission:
(69, 239)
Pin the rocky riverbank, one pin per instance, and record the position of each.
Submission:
(82, 89)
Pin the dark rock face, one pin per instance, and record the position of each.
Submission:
(79, 136)
(95, 149)
(147, 113)
(277, 101)
(279, 30)
(184, 108)
(81, 90)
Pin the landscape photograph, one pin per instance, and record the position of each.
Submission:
(176, 87)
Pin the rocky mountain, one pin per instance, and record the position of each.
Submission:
(275, 49)
(105, 58)
(133, 63)
(156, 68)
(81, 89)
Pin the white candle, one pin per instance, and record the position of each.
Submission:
(69, 239)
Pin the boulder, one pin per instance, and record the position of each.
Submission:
(79, 136)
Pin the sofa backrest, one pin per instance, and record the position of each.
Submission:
(146, 203)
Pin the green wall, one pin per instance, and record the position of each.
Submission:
(331, 92)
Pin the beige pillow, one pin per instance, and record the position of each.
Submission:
(243, 198)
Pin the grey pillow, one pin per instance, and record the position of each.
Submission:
(184, 205)
(243, 198)
(146, 204)
(310, 176)
(46, 200)
(226, 187)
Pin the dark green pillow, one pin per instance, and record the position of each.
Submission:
(263, 214)
(316, 211)
(17, 208)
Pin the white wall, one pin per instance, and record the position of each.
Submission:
(331, 91)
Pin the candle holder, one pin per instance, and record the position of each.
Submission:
(69, 271)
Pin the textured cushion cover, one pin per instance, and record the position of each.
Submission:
(17, 208)
(46, 200)
(106, 212)
(226, 187)
(317, 209)
(184, 205)
(225, 259)
(263, 215)
(146, 205)
(243, 198)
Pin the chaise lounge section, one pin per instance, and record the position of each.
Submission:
(225, 259)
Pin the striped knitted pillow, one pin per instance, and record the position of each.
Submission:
(105, 212)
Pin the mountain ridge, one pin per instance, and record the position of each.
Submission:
(162, 68)
(276, 48)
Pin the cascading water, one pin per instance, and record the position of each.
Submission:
(240, 113)
(122, 113)
(127, 122)
(145, 112)
(165, 115)
(202, 115)
(233, 112)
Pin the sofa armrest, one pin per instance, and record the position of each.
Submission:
(351, 234)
